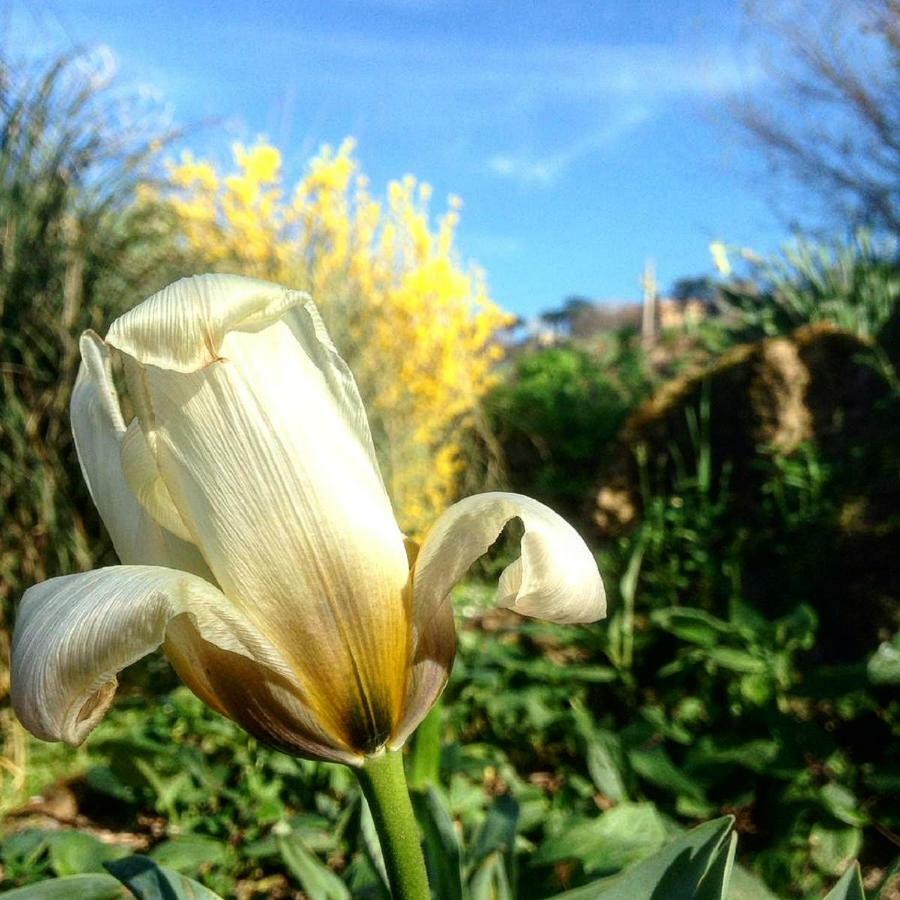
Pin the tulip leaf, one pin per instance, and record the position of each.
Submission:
(717, 880)
(425, 758)
(84, 887)
(490, 880)
(314, 876)
(442, 850)
(745, 885)
(148, 881)
(675, 871)
(850, 887)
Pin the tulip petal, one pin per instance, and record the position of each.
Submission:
(145, 482)
(266, 453)
(554, 578)
(98, 429)
(182, 326)
(75, 633)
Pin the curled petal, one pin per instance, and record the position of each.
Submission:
(555, 577)
(99, 430)
(75, 633)
(182, 327)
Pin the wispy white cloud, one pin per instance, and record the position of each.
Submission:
(544, 170)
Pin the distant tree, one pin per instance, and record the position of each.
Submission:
(833, 123)
(694, 287)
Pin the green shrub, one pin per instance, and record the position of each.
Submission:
(558, 410)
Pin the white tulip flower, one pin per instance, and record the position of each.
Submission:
(257, 541)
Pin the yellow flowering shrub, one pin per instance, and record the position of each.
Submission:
(415, 325)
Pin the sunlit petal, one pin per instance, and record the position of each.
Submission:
(555, 577)
(75, 633)
(265, 451)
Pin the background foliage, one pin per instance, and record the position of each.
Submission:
(737, 675)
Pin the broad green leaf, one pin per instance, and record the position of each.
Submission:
(189, 853)
(314, 876)
(850, 887)
(75, 887)
(442, 851)
(148, 881)
(76, 852)
(672, 873)
(833, 849)
(619, 837)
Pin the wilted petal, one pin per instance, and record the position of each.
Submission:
(265, 450)
(262, 700)
(75, 633)
(98, 430)
(555, 577)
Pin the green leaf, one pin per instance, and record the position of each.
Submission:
(737, 660)
(850, 887)
(189, 853)
(655, 766)
(842, 804)
(833, 849)
(603, 754)
(314, 876)
(498, 832)
(425, 758)
(76, 852)
(442, 850)
(82, 887)
(692, 625)
(621, 836)
(148, 881)
(490, 881)
(676, 871)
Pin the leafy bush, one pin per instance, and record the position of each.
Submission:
(558, 410)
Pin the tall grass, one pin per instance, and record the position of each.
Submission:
(75, 249)
(854, 284)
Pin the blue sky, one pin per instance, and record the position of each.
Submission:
(584, 137)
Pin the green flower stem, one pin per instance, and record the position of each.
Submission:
(384, 783)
